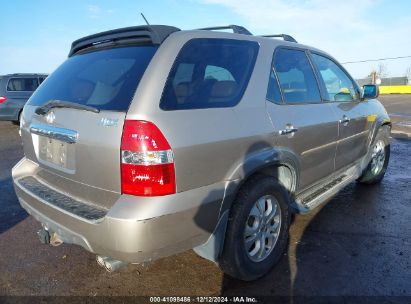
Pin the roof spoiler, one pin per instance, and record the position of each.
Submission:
(147, 34)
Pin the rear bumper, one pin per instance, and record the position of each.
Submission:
(9, 117)
(9, 111)
(135, 229)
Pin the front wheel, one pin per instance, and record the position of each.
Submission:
(257, 231)
(380, 156)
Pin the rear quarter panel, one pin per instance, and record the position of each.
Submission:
(209, 145)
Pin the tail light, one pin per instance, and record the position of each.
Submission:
(3, 99)
(147, 164)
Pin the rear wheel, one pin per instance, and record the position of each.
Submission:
(380, 156)
(257, 231)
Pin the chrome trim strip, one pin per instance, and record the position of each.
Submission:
(353, 136)
(66, 135)
(319, 147)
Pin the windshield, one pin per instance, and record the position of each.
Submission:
(105, 79)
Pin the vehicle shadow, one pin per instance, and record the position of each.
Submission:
(278, 283)
(11, 152)
(313, 259)
(11, 212)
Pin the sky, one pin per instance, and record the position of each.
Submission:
(36, 35)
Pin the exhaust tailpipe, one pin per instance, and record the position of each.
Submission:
(47, 236)
(44, 236)
(110, 264)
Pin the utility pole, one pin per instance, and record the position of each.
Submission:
(373, 77)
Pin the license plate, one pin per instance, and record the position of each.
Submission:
(53, 151)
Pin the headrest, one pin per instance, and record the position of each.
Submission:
(182, 89)
(224, 88)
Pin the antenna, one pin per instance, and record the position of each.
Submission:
(145, 19)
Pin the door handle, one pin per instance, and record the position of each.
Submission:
(344, 120)
(289, 130)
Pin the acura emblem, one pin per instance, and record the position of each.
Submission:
(50, 117)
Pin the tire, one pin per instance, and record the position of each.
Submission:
(237, 259)
(17, 122)
(377, 167)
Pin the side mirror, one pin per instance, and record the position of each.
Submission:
(369, 91)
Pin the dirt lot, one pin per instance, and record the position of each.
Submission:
(358, 244)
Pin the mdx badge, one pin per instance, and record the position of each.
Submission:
(108, 122)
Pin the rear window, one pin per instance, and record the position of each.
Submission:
(22, 84)
(209, 73)
(105, 79)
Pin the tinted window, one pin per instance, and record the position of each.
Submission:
(22, 84)
(338, 85)
(209, 73)
(296, 76)
(184, 73)
(106, 79)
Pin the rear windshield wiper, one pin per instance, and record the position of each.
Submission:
(45, 108)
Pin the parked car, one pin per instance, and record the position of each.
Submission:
(149, 141)
(15, 90)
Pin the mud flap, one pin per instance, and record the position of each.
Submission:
(212, 249)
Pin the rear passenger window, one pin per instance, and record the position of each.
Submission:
(337, 83)
(209, 73)
(296, 76)
(22, 84)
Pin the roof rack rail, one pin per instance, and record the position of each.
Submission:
(153, 34)
(24, 74)
(237, 29)
(284, 36)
